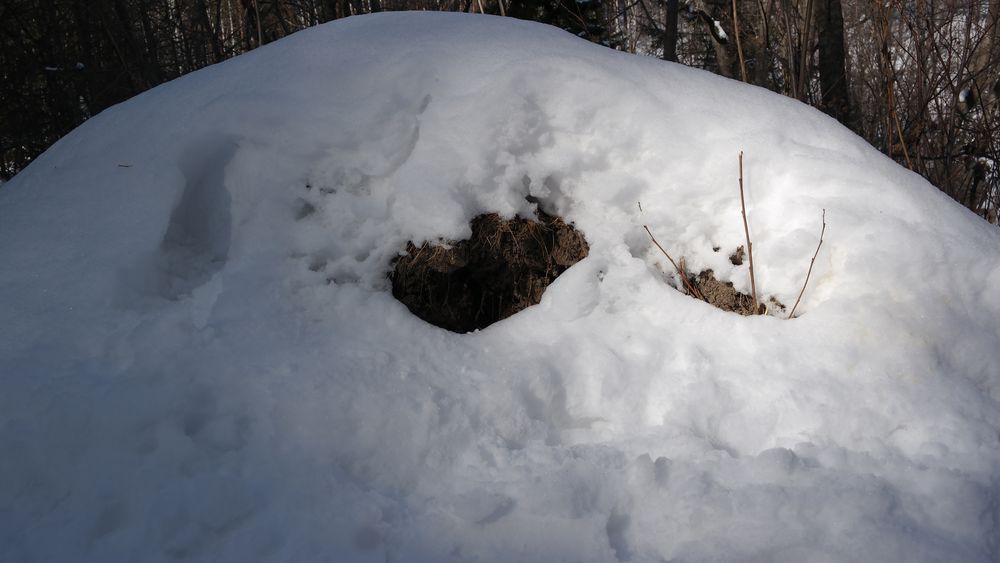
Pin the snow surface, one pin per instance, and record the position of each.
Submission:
(194, 367)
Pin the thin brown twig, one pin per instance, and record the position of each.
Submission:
(746, 231)
(899, 131)
(890, 79)
(811, 262)
(687, 284)
(739, 44)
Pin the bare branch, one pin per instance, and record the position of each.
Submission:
(811, 262)
(746, 230)
(687, 284)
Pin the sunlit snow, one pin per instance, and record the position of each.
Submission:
(194, 369)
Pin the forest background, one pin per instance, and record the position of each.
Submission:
(919, 80)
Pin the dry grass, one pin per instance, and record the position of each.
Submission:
(501, 269)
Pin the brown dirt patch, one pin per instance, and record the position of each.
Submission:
(724, 296)
(501, 269)
(736, 258)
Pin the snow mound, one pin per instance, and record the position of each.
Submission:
(201, 358)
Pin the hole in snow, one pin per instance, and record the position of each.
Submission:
(723, 295)
(705, 286)
(502, 268)
(196, 242)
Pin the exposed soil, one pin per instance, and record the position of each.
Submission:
(724, 296)
(501, 269)
(736, 258)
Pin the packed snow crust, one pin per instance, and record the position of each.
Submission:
(200, 358)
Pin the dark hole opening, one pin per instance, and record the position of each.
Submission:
(501, 269)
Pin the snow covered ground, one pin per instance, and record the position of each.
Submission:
(195, 367)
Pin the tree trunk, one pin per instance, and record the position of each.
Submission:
(711, 14)
(832, 68)
(670, 32)
(981, 67)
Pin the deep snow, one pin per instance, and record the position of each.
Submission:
(192, 370)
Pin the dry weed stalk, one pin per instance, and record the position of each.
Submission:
(680, 271)
(695, 292)
(739, 45)
(746, 231)
(811, 262)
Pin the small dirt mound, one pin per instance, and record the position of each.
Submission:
(724, 296)
(503, 268)
(736, 258)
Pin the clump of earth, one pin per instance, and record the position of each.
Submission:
(724, 296)
(706, 287)
(502, 268)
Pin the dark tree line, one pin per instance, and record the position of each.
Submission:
(66, 60)
(916, 78)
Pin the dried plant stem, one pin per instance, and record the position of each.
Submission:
(739, 44)
(899, 128)
(746, 231)
(687, 284)
(811, 262)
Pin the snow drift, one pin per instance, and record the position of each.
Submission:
(201, 358)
